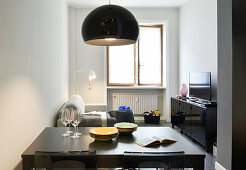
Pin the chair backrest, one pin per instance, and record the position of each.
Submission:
(166, 160)
(71, 159)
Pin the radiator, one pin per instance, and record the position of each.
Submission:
(138, 103)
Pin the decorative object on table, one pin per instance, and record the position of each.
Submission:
(110, 25)
(104, 133)
(126, 128)
(151, 118)
(65, 122)
(154, 140)
(91, 76)
(77, 118)
(74, 102)
(183, 90)
(69, 117)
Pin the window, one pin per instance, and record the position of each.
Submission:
(140, 64)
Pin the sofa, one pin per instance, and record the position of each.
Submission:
(92, 115)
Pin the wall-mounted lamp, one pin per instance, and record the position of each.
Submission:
(91, 77)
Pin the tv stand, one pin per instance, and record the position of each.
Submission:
(199, 121)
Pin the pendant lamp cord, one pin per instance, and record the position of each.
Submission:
(109, 2)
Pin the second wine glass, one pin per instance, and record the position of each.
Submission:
(77, 118)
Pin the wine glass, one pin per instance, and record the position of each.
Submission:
(77, 118)
(69, 117)
(65, 122)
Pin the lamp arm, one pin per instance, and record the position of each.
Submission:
(75, 78)
(76, 83)
(79, 71)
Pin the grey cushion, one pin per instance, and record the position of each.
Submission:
(92, 121)
(91, 108)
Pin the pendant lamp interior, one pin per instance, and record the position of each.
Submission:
(110, 25)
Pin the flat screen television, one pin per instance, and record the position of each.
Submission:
(200, 85)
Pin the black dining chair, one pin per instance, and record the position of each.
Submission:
(65, 160)
(166, 160)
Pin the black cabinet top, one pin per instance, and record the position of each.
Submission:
(211, 104)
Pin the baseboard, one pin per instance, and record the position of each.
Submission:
(168, 120)
(139, 118)
(218, 166)
(215, 151)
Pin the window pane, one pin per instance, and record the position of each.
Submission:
(121, 64)
(150, 55)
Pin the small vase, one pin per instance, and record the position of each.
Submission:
(183, 90)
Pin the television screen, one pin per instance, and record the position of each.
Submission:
(200, 85)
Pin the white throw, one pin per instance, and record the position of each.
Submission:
(76, 101)
(103, 117)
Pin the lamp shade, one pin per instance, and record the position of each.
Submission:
(92, 75)
(110, 25)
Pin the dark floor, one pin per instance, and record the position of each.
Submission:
(209, 160)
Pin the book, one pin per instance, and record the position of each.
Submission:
(154, 140)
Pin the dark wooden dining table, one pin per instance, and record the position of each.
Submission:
(110, 154)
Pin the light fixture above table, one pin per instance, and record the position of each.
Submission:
(110, 25)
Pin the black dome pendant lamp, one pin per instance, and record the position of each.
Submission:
(110, 25)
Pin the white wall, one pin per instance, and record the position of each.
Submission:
(198, 40)
(94, 57)
(33, 72)
(83, 56)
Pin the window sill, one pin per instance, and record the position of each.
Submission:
(136, 87)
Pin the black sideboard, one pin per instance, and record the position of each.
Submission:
(199, 121)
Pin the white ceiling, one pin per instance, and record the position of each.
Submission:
(129, 3)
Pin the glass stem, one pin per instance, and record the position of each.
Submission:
(75, 130)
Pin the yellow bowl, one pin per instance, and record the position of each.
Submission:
(104, 131)
(104, 138)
